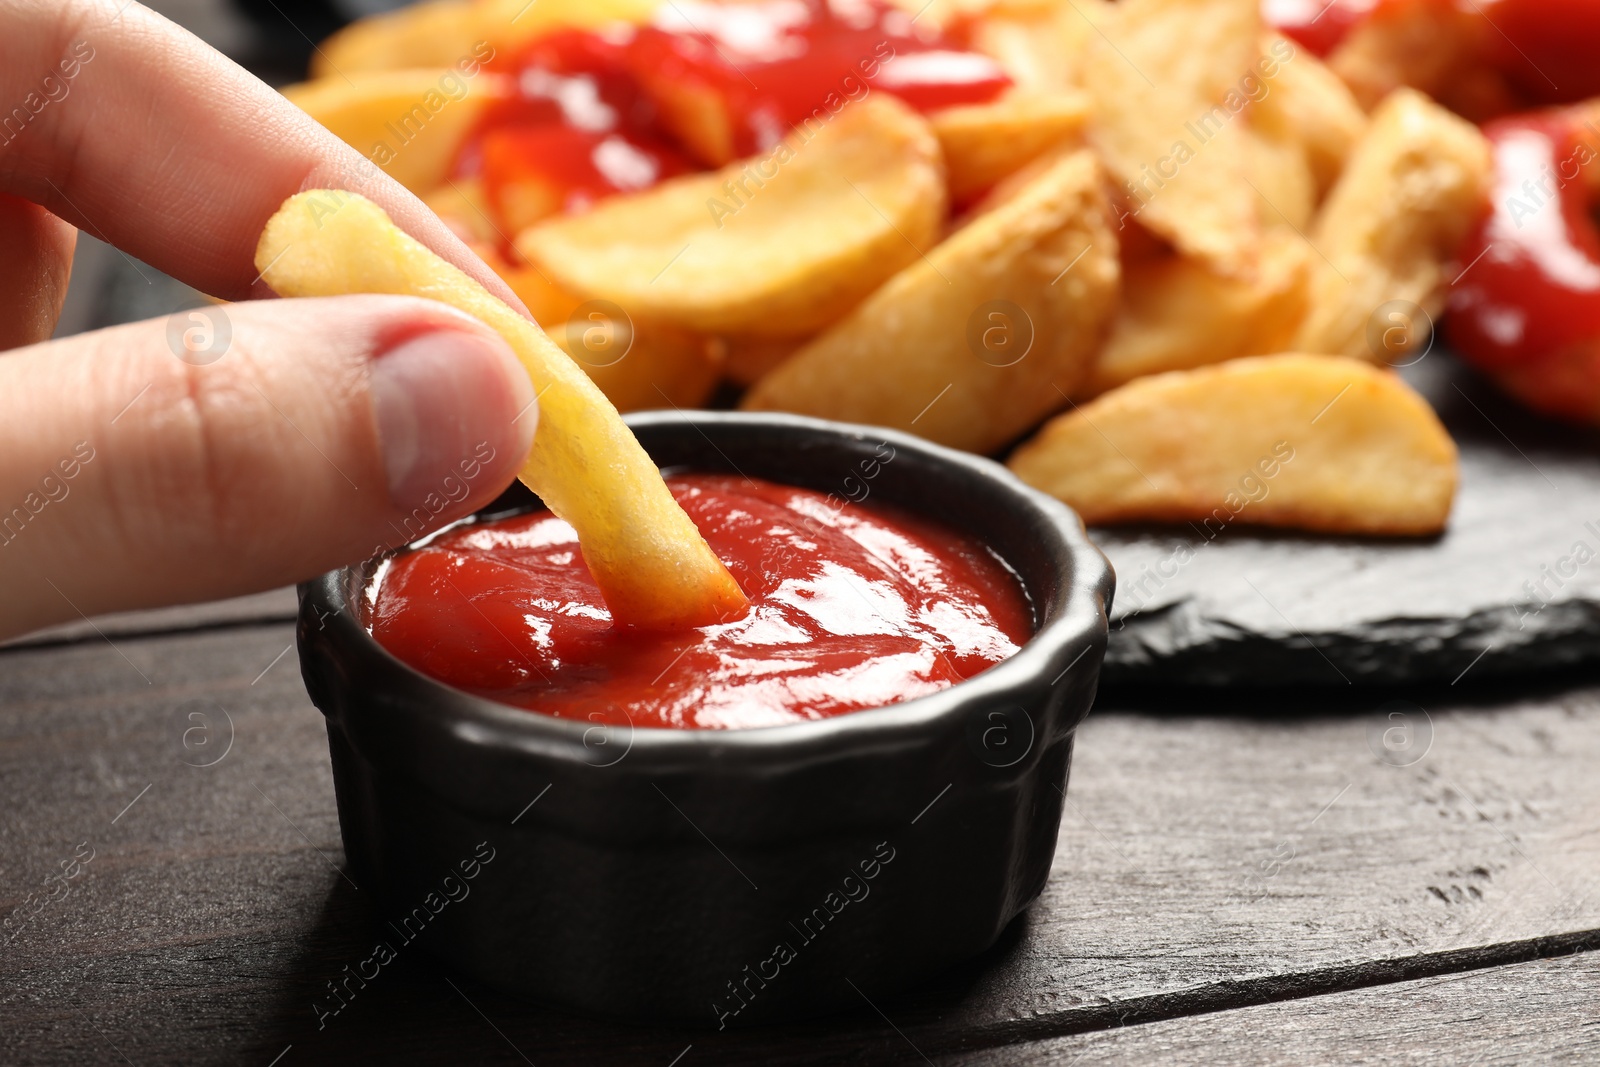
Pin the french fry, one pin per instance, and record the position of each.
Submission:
(1416, 183)
(409, 122)
(439, 33)
(983, 143)
(1177, 313)
(773, 247)
(976, 342)
(1307, 104)
(638, 364)
(1167, 127)
(1314, 442)
(651, 564)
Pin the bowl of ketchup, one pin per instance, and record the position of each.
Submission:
(852, 786)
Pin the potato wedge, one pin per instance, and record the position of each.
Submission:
(778, 246)
(1313, 442)
(1177, 313)
(983, 143)
(1286, 192)
(1436, 46)
(1040, 43)
(1165, 78)
(409, 122)
(1417, 182)
(982, 338)
(1307, 104)
(652, 565)
(438, 33)
(746, 361)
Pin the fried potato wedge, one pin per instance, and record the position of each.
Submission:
(1307, 104)
(1177, 313)
(1312, 442)
(1039, 43)
(1286, 191)
(983, 143)
(652, 565)
(1417, 181)
(746, 361)
(439, 33)
(986, 335)
(1165, 79)
(638, 364)
(409, 122)
(1436, 46)
(778, 246)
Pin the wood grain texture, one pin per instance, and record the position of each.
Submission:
(1532, 1013)
(1211, 856)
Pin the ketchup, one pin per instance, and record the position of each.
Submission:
(600, 112)
(851, 607)
(1532, 283)
(1320, 25)
(770, 65)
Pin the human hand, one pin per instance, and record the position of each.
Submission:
(134, 472)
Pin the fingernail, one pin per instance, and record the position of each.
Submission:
(454, 411)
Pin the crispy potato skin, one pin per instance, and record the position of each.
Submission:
(651, 564)
(917, 353)
(779, 246)
(1314, 442)
(1159, 77)
(1415, 184)
(1177, 313)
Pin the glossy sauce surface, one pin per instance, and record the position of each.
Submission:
(1531, 288)
(853, 606)
(600, 112)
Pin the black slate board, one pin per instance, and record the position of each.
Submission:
(1257, 607)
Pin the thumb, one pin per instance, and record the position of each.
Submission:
(238, 448)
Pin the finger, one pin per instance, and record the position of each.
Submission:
(35, 262)
(140, 134)
(292, 437)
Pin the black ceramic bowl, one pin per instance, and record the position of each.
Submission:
(723, 877)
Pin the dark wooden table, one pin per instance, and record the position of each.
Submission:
(1240, 879)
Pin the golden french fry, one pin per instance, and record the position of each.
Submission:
(1313, 442)
(1168, 83)
(778, 246)
(1307, 104)
(637, 364)
(983, 143)
(409, 122)
(1416, 183)
(976, 342)
(652, 565)
(1177, 313)
(440, 33)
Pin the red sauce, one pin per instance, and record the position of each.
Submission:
(851, 607)
(1531, 287)
(770, 65)
(1320, 25)
(615, 110)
